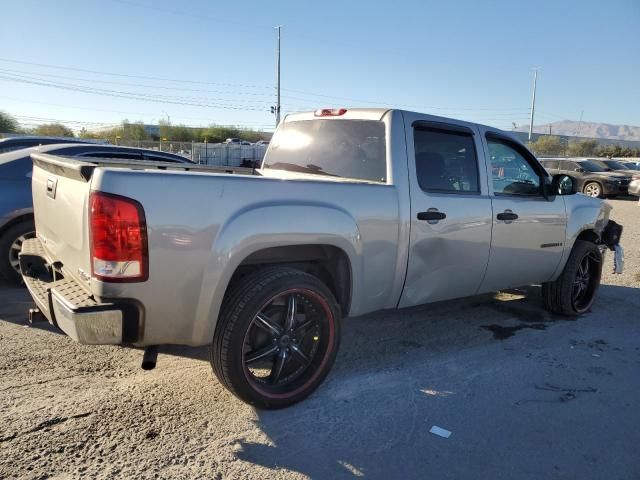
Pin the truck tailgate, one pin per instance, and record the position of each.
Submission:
(61, 188)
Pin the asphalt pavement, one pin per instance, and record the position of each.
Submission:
(525, 395)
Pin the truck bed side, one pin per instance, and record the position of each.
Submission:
(202, 226)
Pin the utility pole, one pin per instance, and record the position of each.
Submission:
(533, 102)
(278, 79)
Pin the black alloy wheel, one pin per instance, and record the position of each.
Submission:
(277, 337)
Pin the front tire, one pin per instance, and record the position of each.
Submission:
(593, 189)
(10, 245)
(277, 337)
(573, 292)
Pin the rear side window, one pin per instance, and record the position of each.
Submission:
(446, 161)
(160, 158)
(339, 148)
(11, 146)
(114, 154)
(571, 166)
(550, 164)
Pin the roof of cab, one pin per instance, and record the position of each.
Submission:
(379, 113)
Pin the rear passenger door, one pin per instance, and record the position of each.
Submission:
(450, 212)
(528, 229)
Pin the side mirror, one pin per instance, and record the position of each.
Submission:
(563, 185)
(579, 170)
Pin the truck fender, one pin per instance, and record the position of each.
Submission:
(265, 226)
(584, 214)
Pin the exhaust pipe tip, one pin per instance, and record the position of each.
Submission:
(150, 357)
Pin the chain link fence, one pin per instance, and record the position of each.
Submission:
(215, 154)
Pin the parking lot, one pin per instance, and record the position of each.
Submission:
(524, 393)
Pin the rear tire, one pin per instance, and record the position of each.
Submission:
(277, 337)
(573, 292)
(10, 245)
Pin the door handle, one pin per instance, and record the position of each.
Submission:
(507, 216)
(432, 215)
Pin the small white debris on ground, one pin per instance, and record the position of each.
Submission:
(441, 432)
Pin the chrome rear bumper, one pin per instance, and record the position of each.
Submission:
(68, 306)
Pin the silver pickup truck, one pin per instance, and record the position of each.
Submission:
(352, 211)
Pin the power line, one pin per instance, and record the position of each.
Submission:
(44, 77)
(145, 77)
(302, 92)
(127, 95)
(147, 114)
(38, 120)
(129, 84)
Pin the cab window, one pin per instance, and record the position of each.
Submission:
(511, 172)
(446, 161)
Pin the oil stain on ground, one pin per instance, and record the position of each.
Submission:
(502, 333)
(525, 307)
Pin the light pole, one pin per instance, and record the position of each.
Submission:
(160, 132)
(278, 28)
(533, 102)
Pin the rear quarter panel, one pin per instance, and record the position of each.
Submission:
(202, 226)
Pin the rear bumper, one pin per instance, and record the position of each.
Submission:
(67, 305)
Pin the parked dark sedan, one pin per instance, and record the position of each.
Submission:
(590, 177)
(619, 166)
(17, 143)
(16, 207)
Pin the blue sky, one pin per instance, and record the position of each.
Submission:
(201, 62)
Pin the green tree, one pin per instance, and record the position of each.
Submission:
(8, 124)
(84, 133)
(548, 145)
(133, 131)
(53, 130)
(583, 148)
(180, 133)
(217, 134)
(165, 129)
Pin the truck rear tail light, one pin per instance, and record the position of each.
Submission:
(330, 112)
(118, 233)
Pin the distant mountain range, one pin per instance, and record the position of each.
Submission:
(573, 128)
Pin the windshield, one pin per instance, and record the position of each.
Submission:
(590, 166)
(338, 148)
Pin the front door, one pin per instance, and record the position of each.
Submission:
(528, 229)
(450, 212)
